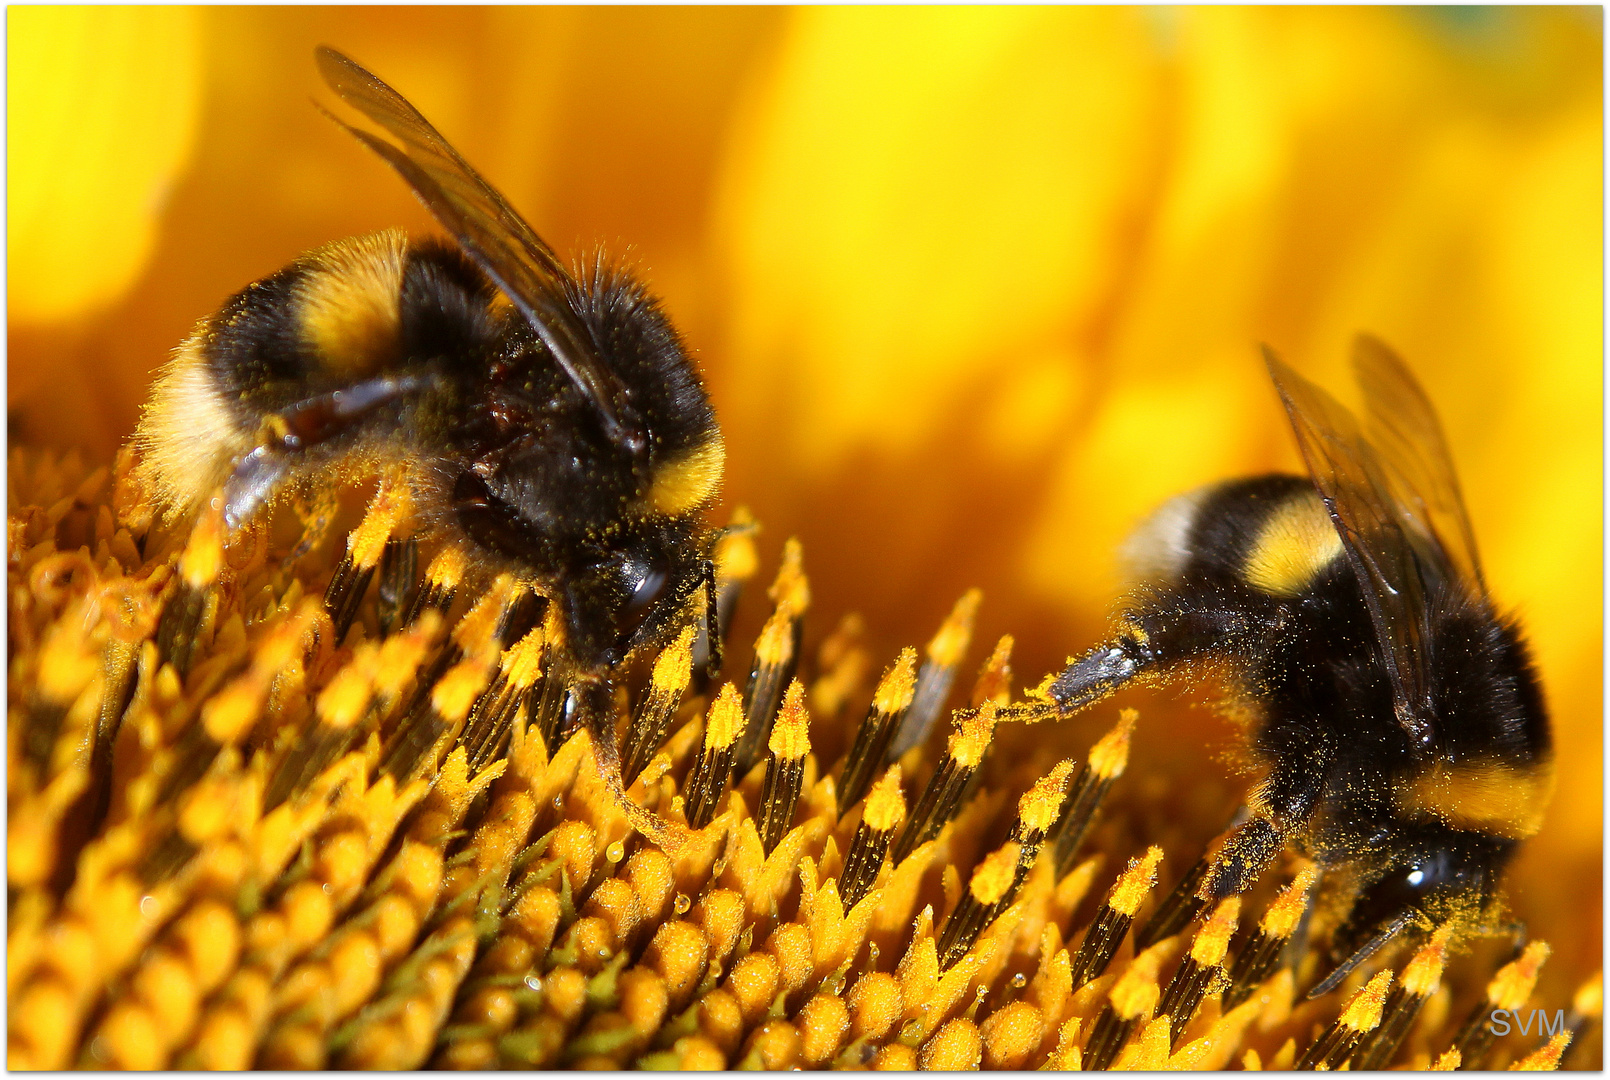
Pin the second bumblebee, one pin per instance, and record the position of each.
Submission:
(1396, 713)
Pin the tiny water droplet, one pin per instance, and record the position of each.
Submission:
(681, 904)
(534, 982)
(615, 852)
(1019, 981)
(558, 802)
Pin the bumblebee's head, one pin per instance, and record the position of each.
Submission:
(633, 589)
(1453, 879)
(619, 588)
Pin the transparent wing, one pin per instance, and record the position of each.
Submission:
(490, 231)
(1403, 428)
(1351, 480)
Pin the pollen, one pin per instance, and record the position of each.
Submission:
(971, 740)
(1424, 973)
(1513, 984)
(1040, 805)
(994, 875)
(1137, 881)
(951, 641)
(410, 844)
(1210, 946)
(1111, 754)
(790, 734)
(1363, 1013)
(885, 806)
(726, 719)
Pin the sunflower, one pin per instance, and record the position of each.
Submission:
(972, 290)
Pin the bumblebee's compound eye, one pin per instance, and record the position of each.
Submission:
(1433, 885)
(645, 584)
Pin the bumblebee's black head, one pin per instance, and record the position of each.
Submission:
(1432, 879)
(632, 589)
(619, 588)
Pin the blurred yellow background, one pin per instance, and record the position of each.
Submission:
(973, 289)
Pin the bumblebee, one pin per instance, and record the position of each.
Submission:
(549, 422)
(1396, 713)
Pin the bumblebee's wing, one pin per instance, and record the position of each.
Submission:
(1404, 430)
(490, 231)
(1352, 482)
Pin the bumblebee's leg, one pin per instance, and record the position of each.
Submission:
(316, 510)
(1099, 672)
(1280, 807)
(1157, 637)
(596, 715)
(283, 436)
(712, 621)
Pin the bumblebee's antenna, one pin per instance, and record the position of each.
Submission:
(1399, 923)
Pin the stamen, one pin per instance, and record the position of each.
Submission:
(1178, 908)
(1201, 969)
(884, 811)
(188, 613)
(487, 731)
(399, 582)
(442, 578)
(991, 883)
(785, 769)
(1545, 1058)
(365, 545)
(1358, 1019)
(1420, 980)
(673, 669)
(707, 781)
(1260, 956)
(995, 677)
(868, 752)
(1106, 763)
(1129, 1005)
(776, 656)
(736, 562)
(940, 800)
(449, 687)
(981, 906)
(1508, 991)
(944, 657)
(1106, 931)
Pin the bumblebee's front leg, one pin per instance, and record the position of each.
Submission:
(1158, 636)
(712, 621)
(1101, 671)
